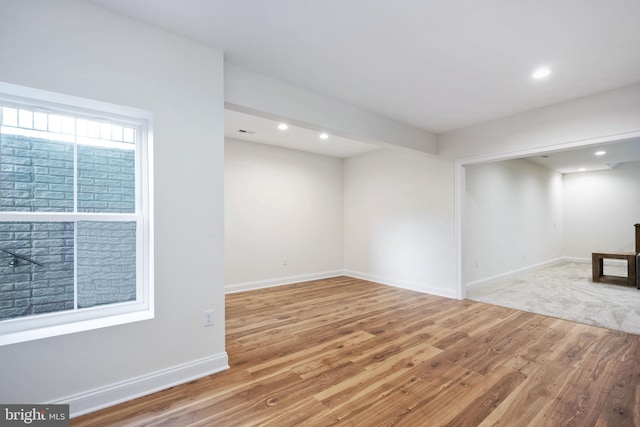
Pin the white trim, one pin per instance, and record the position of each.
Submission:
(459, 198)
(148, 211)
(123, 391)
(515, 272)
(68, 216)
(68, 138)
(47, 325)
(403, 284)
(69, 321)
(539, 265)
(94, 109)
(607, 261)
(576, 259)
(396, 283)
(260, 284)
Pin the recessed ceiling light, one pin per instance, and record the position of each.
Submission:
(600, 153)
(540, 73)
(324, 135)
(582, 169)
(283, 126)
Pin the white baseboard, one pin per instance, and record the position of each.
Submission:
(607, 261)
(103, 397)
(576, 259)
(404, 284)
(249, 286)
(514, 272)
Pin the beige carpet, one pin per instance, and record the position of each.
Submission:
(565, 290)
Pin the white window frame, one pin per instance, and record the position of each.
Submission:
(64, 322)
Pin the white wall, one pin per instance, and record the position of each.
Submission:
(512, 218)
(600, 210)
(279, 204)
(77, 48)
(398, 210)
(603, 115)
(255, 93)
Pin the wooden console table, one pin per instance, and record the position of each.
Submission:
(598, 276)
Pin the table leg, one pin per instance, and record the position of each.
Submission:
(596, 266)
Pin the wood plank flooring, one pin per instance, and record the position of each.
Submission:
(349, 352)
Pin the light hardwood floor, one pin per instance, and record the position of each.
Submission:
(349, 352)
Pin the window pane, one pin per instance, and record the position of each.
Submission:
(26, 288)
(106, 180)
(129, 135)
(40, 121)
(93, 129)
(9, 116)
(81, 127)
(36, 175)
(25, 119)
(116, 133)
(105, 131)
(68, 125)
(55, 123)
(106, 262)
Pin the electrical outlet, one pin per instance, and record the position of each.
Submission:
(284, 261)
(208, 318)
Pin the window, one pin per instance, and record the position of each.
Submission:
(75, 214)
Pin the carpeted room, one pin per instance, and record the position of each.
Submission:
(530, 231)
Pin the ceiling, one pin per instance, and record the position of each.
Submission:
(247, 127)
(437, 65)
(572, 161)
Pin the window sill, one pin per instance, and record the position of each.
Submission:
(28, 329)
